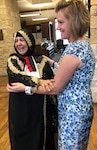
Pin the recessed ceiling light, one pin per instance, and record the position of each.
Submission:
(29, 15)
(37, 19)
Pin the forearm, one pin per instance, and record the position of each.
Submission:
(51, 62)
(41, 90)
(19, 87)
(43, 87)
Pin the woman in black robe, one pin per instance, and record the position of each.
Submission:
(30, 121)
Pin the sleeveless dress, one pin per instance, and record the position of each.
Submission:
(75, 105)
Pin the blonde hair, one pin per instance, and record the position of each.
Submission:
(77, 14)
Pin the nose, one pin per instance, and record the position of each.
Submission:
(18, 42)
(58, 27)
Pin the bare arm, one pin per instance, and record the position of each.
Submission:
(68, 66)
(44, 85)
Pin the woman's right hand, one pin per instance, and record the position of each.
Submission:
(16, 87)
(48, 59)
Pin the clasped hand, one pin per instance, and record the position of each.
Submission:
(16, 87)
(47, 85)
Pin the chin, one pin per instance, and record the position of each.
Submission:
(63, 37)
(22, 53)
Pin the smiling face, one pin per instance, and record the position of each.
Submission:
(64, 26)
(21, 45)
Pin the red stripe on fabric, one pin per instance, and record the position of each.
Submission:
(28, 63)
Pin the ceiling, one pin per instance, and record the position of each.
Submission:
(46, 8)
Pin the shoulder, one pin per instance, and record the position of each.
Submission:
(78, 48)
(14, 56)
(14, 59)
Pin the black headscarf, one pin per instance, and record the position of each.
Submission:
(29, 38)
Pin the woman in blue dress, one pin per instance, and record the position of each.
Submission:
(73, 76)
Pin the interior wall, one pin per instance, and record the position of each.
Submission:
(93, 41)
(9, 23)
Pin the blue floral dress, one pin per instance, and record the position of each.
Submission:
(75, 105)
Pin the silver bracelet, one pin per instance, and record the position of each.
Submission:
(28, 90)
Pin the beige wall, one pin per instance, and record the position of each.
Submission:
(93, 40)
(9, 23)
(93, 21)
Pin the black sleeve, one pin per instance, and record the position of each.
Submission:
(45, 70)
(15, 71)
